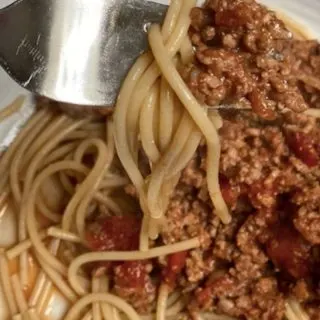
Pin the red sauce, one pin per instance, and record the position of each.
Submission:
(176, 263)
(303, 147)
(230, 194)
(289, 251)
(114, 234)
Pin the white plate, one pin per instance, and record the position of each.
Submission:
(305, 12)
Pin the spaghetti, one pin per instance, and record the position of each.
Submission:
(130, 215)
(12, 108)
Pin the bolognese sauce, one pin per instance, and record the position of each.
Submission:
(269, 168)
(269, 174)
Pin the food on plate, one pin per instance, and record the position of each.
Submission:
(199, 197)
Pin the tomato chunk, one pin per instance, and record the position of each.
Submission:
(230, 194)
(303, 147)
(289, 251)
(175, 264)
(114, 234)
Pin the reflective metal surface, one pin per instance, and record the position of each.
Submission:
(76, 51)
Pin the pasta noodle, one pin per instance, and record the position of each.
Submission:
(33, 315)
(6, 285)
(125, 256)
(12, 108)
(162, 302)
(102, 297)
(313, 112)
(19, 295)
(42, 281)
(108, 311)
(198, 116)
(96, 311)
(294, 311)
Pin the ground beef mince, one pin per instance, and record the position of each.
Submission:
(246, 57)
(269, 167)
(270, 250)
(305, 61)
(269, 177)
(133, 283)
(275, 229)
(190, 215)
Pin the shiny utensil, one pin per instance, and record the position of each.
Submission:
(75, 51)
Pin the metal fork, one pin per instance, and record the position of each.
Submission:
(75, 51)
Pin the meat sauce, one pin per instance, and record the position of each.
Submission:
(269, 166)
(289, 251)
(269, 178)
